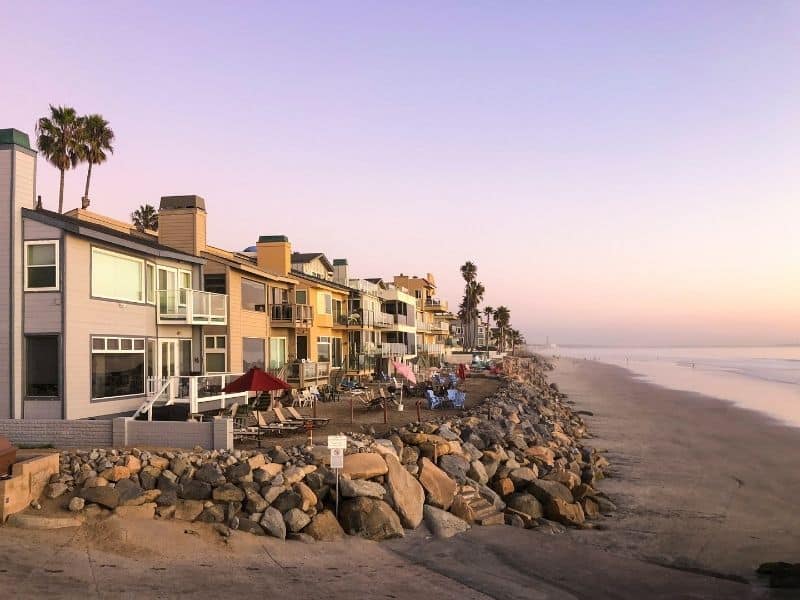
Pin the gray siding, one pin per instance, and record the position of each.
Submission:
(42, 409)
(42, 312)
(33, 230)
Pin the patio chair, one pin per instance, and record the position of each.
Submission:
(322, 421)
(314, 391)
(306, 399)
(434, 401)
(369, 401)
(457, 398)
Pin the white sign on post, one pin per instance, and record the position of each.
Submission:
(337, 458)
(337, 441)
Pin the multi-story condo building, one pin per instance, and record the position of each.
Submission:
(432, 317)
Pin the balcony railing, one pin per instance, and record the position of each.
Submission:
(307, 373)
(200, 392)
(361, 363)
(192, 307)
(430, 348)
(403, 320)
(365, 318)
(291, 314)
(394, 349)
(424, 327)
(436, 304)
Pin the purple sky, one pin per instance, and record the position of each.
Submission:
(621, 172)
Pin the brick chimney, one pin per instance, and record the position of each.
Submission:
(340, 274)
(182, 223)
(274, 254)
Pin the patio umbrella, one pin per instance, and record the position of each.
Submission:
(462, 371)
(256, 380)
(405, 371)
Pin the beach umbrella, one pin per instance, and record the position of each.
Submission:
(256, 380)
(405, 371)
(462, 371)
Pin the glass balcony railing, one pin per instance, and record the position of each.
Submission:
(192, 307)
(291, 314)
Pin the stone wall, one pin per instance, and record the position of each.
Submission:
(121, 432)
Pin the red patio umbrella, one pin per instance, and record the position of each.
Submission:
(462, 371)
(256, 380)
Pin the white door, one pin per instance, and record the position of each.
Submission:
(168, 363)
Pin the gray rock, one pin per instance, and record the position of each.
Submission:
(212, 514)
(54, 490)
(369, 518)
(249, 526)
(210, 473)
(104, 496)
(287, 501)
(324, 527)
(130, 493)
(255, 501)
(239, 472)
(354, 488)
(443, 524)
(228, 493)
(273, 523)
(196, 490)
(295, 520)
(455, 466)
(76, 504)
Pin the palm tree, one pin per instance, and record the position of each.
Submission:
(517, 339)
(96, 138)
(145, 217)
(502, 317)
(58, 141)
(488, 311)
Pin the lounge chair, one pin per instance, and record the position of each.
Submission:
(276, 428)
(322, 421)
(457, 398)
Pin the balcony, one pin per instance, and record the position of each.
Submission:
(409, 320)
(436, 305)
(302, 374)
(424, 327)
(291, 315)
(430, 349)
(192, 307)
(365, 318)
(200, 392)
(394, 349)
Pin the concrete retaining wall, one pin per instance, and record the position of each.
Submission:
(118, 433)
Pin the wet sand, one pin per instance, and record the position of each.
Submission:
(705, 492)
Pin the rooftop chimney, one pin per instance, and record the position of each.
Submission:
(340, 275)
(182, 223)
(274, 254)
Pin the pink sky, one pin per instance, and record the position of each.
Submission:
(623, 176)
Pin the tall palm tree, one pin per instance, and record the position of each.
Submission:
(469, 271)
(145, 217)
(502, 317)
(488, 311)
(96, 139)
(516, 339)
(468, 309)
(58, 141)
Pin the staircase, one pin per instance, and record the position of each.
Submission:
(162, 396)
(474, 508)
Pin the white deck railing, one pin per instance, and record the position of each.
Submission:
(200, 392)
(193, 307)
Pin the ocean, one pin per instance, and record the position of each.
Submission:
(765, 379)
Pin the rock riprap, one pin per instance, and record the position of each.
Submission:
(516, 458)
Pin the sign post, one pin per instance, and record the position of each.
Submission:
(337, 445)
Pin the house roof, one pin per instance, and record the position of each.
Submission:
(322, 282)
(243, 262)
(15, 136)
(299, 258)
(107, 234)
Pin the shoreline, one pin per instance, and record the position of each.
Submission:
(702, 483)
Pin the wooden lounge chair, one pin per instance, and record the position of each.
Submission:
(276, 428)
(368, 400)
(298, 417)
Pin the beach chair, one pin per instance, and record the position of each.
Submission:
(296, 416)
(456, 398)
(314, 391)
(433, 400)
(275, 428)
(306, 399)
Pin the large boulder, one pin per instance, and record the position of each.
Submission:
(369, 518)
(210, 473)
(255, 501)
(522, 476)
(188, 510)
(287, 501)
(527, 504)
(130, 493)
(365, 465)
(228, 493)
(455, 466)
(307, 494)
(355, 488)
(545, 491)
(116, 473)
(324, 527)
(296, 520)
(541, 454)
(567, 478)
(104, 496)
(568, 513)
(442, 524)
(239, 472)
(148, 477)
(408, 495)
(273, 523)
(439, 487)
(195, 490)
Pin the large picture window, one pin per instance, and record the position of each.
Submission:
(116, 276)
(324, 303)
(117, 367)
(254, 295)
(41, 366)
(253, 353)
(41, 266)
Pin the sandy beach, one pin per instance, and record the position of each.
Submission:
(705, 492)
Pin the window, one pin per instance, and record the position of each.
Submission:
(301, 297)
(186, 357)
(41, 266)
(278, 295)
(215, 282)
(277, 352)
(151, 359)
(324, 303)
(185, 279)
(253, 295)
(216, 354)
(118, 367)
(150, 282)
(116, 276)
(41, 366)
(253, 353)
(323, 349)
